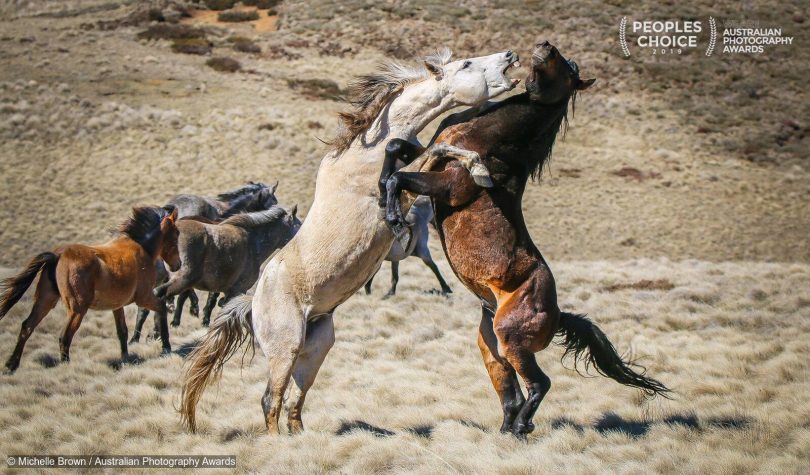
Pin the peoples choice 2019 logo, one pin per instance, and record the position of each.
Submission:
(665, 37)
(675, 37)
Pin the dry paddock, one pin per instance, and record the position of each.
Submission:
(404, 390)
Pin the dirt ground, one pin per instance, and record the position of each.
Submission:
(692, 170)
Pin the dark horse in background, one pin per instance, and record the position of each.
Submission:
(251, 197)
(489, 248)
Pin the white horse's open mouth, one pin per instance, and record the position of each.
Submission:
(513, 64)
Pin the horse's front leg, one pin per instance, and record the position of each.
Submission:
(396, 149)
(468, 159)
(454, 186)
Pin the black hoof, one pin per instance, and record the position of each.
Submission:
(195, 311)
(10, 369)
(134, 340)
(166, 351)
(175, 323)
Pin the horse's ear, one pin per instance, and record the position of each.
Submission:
(435, 69)
(173, 216)
(582, 85)
(294, 210)
(273, 189)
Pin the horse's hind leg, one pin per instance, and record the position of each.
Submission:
(45, 299)
(524, 327)
(394, 279)
(423, 252)
(281, 336)
(121, 329)
(500, 372)
(75, 316)
(194, 305)
(319, 340)
(178, 309)
(209, 307)
(143, 314)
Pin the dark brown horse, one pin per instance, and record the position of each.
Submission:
(489, 248)
(101, 277)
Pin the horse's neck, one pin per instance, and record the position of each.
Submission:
(221, 207)
(263, 239)
(409, 113)
(526, 132)
(236, 205)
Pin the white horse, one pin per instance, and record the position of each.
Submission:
(344, 239)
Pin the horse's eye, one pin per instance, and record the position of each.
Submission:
(466, 64)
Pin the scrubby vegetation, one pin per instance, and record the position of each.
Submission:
(224, 64)
(166, 31)
(316, 89)
(199, 46)
(236, 16)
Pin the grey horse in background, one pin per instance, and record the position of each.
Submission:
(253, 196)
(227, 256)
(420, 214)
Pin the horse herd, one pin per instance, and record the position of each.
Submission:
(376, 190)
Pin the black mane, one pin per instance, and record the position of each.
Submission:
(143, 227)
(246, 190)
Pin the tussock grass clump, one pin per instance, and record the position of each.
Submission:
(644, 284)
(198, 46)
(219, 5)
(224, 64)
(168, 31)
(262, 4)
(316, 89)
(244, 45)
(238, 16)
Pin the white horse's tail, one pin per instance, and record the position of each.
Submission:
(228, 332)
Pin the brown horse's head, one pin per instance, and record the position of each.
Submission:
(553, 78)
(168, 239)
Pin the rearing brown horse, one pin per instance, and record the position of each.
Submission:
(102, 277)
(489, 248)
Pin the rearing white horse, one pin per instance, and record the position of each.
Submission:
(343, 240)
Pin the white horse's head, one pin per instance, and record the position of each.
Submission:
(472, 81)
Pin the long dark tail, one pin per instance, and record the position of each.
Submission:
(228, 332)
(14, 288)
(587, 343)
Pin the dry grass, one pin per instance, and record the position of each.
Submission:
(714, 159)
(729, 338)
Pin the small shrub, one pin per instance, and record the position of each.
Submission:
(224, 64)
(219, 5)
(247, 47)
(167, 31)
(316, 89)
(266, 4)
(192, 46)
(236, 16)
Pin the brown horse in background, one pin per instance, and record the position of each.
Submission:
(101, 277)
(486, 241)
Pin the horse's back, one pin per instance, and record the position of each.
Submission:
(194, 205)
(104, 276)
